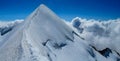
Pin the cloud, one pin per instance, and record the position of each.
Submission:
(9, 23)
(6, 26)
(101, 34)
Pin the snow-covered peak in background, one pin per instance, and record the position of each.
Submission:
(43, 36)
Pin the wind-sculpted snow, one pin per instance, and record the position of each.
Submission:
(43, 36)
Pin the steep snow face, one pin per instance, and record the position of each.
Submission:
(43, 36)
(43, 21)
(43, 27)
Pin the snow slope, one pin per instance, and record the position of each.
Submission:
(43, 36)
(6, 27)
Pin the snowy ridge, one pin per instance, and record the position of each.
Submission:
(43, 36)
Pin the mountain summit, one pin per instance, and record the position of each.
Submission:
(34, 39)
(43, 36)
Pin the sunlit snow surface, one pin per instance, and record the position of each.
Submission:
(43, 36)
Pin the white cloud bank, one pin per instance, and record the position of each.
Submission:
(10, 23)
(101, 34)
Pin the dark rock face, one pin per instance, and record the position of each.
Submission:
(58, 46)
(5, 30)
(90, 51)
(105, 52)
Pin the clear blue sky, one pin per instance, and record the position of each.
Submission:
(66, 9)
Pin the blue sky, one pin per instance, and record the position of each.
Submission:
(66, 9)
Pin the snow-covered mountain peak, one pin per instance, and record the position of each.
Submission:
(43, 20)
(42, 30)
(42, 10)
(43, 36)
(43, 7)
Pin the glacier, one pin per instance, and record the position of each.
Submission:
(43, 36)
